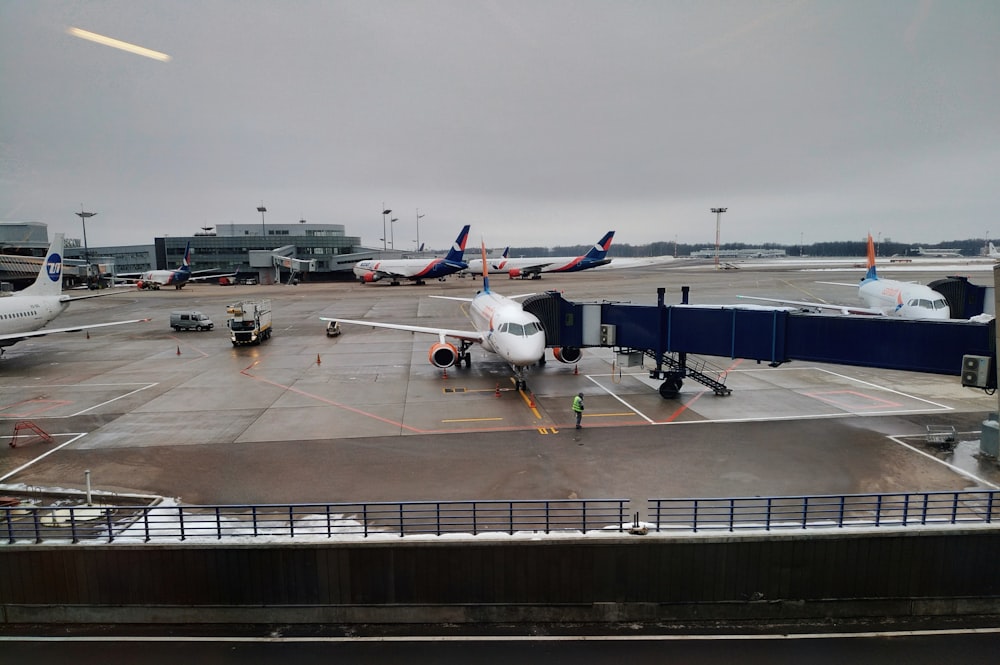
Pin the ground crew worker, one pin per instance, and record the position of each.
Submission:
(578, 408)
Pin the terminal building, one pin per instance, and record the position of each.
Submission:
(268, 253)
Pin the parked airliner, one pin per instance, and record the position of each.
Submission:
(26, 313)
(416, 270)
(533, 267)
(502, 326)
(883, 297)
(178, 277)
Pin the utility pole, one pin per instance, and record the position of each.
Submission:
(718, 220)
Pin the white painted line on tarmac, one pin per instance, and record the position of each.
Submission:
(44, 455)
(113, 399)
(626, 404)
(958, 470)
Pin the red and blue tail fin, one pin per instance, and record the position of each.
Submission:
(600, 250)
(871, 274)
(457, 252)
(185, 265)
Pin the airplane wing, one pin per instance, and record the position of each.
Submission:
(48, 331)
(467, 335)
(200, 278)
(842, 309)
(533, 269)
(109, 292)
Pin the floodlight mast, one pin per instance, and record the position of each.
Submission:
(718, 220)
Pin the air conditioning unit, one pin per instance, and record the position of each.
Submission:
(977, 372)
(607, 334)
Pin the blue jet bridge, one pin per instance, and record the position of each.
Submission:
(669, 333)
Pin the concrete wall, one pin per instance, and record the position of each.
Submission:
(636, 578)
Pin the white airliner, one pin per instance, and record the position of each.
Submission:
(501, 327)
(416, 270)
(27, 312)
(178, 277)
(992, 251)
(882, 297)
(533, 267)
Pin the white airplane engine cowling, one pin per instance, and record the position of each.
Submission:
(443, 355)
(567, 354)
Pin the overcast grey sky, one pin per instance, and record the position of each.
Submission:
(538, 122)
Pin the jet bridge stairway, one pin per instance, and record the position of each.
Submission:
(680, 366)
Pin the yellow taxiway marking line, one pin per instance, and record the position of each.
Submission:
(468, 420)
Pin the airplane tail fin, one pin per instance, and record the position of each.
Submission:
(991, 250)
(49, 279)
(871, 274)
(486, 269)
(186, 261)
(457, 252)
(600, 250)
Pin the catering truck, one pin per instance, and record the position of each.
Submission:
(249, 321)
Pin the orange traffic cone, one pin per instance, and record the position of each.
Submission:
(576, 370)
(178, 349)
(318, 361)
(444, 373)
(88, 334)
(497, 393)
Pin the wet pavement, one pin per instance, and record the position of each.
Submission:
(365, 417)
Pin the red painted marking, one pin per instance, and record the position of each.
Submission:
(862, 401)
(43, 405)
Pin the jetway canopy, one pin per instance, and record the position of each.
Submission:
(769, 335)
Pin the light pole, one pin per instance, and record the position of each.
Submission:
(385, 211)
(392, 232)
(718, 220)
(418, 228)
(86, 254)
(261, 209)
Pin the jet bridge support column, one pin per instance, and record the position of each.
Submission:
(673, 379)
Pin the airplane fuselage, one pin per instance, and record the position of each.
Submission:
(510, 332)
(175, 278)
(903, 299)
(27, 313)
(375, 269)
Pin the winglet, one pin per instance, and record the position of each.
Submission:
(486, 270)
(871, 274)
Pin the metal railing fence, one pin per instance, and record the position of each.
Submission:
(164, 523)
(825, 511)
(365, 520)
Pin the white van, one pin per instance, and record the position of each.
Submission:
(190, 320)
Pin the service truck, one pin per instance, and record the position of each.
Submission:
(249, 321)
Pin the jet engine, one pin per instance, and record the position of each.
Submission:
(443, 355)
(140, 285)
(370, 277)
(514, 273)
(567, 354)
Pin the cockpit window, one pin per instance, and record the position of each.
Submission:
(521, 330)
(940, 303)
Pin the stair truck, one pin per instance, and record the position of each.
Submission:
(249, 321)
